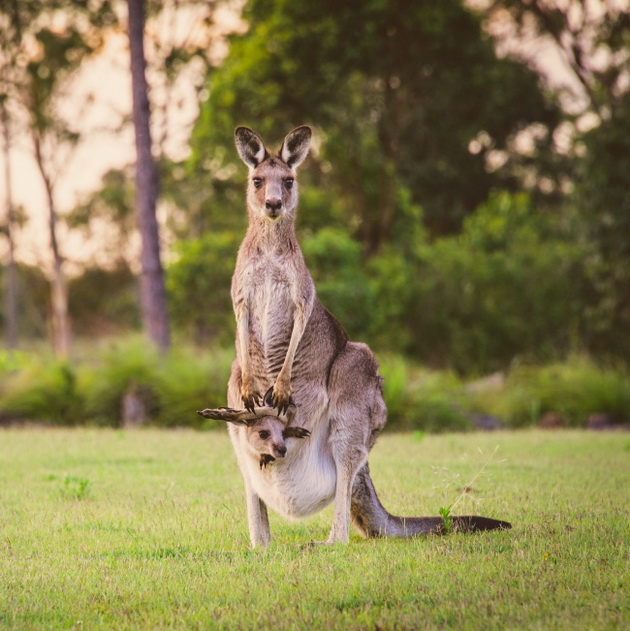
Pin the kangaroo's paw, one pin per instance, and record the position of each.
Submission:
(279, 396)
(251, 397)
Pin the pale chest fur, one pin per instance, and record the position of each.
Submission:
(299, 485)
(266, 284)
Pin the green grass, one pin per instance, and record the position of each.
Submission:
(104, 529)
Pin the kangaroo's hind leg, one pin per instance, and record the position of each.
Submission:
(357, 414)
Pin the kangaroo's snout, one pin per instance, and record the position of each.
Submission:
(280, 450)
(273, 206)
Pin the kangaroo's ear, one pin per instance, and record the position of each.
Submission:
(250, 146)
(296, 145)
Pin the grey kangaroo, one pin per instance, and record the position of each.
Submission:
(313, 399)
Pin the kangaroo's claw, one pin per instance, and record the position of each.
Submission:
(283, 404)
(275, 400)
(251, 400)
(268, 398)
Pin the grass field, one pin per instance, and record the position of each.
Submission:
(104, 529)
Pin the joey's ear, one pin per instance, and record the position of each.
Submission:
(296, 145)
(295, 432)
(250, 146)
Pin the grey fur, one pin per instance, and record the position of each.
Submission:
(290, 347)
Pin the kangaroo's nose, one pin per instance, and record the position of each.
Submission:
(273, 205)
(282, 451)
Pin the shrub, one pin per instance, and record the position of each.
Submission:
(190, 380)
(171, 388)
(125, 364)
(198, 285)
(508, 286)
(422, 400)
(42, 389)
(574, 389)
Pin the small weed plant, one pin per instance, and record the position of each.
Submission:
(76, 488)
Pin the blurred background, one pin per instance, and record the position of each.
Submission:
(465, 209)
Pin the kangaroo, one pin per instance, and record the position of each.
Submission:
(295, 364)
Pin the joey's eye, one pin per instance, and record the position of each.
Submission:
(288, 183)
(264, 434)
(257, 182)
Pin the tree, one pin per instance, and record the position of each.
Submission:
(44, 47)
(11, 313)
(407, 95)
(593, 41)
(152, 287)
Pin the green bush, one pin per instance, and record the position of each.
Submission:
(574, 389)
(171, 387)
(422, 400)
(508, 286)
(130, 363)
(343, 286)
(190, 380)
(198, 285)
(43, 390)
(91, 390)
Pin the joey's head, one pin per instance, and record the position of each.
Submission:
(272, 191)
(266, 438)
(266, 433)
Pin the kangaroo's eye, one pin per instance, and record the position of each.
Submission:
(264, 434)
(288, 183)
(257, 182)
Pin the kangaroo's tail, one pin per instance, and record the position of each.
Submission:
(372, 520)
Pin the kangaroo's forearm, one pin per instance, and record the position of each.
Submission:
(299, 326)
(242, 332)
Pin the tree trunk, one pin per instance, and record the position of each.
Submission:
(152, 287)
(59, 287)
(11, 272)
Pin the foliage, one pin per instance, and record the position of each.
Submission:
(574, 390)
(198, 285)
(171, 388)
(593, 46)
(399, 92)
(103, 301)
(43, 390)
(604, 202)
(33, 300)
(33, 387)
(342, 283)
(111, 208)
(509, 285)
(161, 539)
(422, 400)
(91, 390)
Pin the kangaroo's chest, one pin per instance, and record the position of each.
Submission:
(268, 293)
